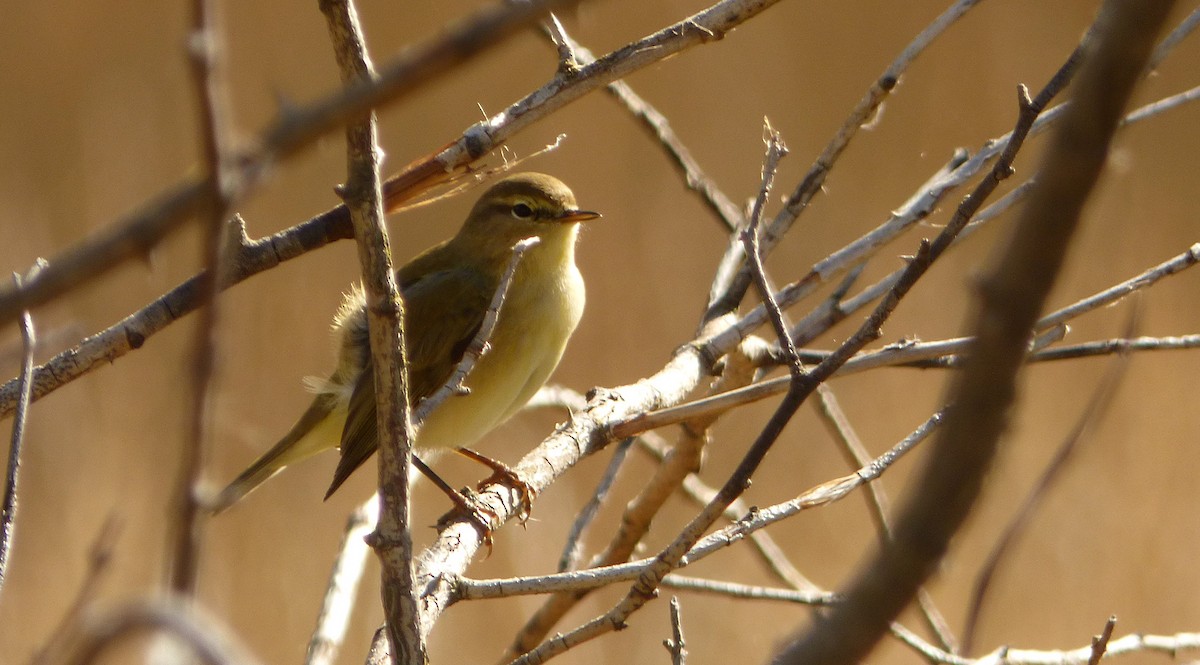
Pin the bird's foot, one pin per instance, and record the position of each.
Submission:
(501, 472)
(467, 504)
(479, 513)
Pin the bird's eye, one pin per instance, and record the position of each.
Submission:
(522, 211)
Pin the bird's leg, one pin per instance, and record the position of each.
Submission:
(502, 472)
(480, 515)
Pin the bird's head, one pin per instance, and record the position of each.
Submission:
(524, 206)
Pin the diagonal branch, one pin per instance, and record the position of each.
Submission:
(1012, 294)
(162, 214)
(725, 297)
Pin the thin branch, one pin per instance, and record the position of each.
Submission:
(8, 511)
(941, 353)
(572, 552)
(342, 590)
(479, 343)
(1100, 642)
(568, 59)
(676, 646)
(1167, 645)
(1111, 346)
(1168, 43)
(878, 504)
(752, 245)
(185, 528)
(1013, 292)
(746, 591)
(660, 128)
(754, 521)
(363, 195)
(1115, 293)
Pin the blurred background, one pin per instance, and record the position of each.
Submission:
(97, 114)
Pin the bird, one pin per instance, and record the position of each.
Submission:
(446, 291)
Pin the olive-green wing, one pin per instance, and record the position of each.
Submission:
(443, 312)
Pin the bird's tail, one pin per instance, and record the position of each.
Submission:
(318, 429)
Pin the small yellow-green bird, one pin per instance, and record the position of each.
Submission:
(447, 290)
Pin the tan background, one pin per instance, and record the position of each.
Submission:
(96, 114)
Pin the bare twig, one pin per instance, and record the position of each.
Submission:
(747, 591)
(479, 343)
(363, 194)
(1168, 43)
(749, 524)
(184, 532)
(1168, 645)
(939, 353)
(573, 549)
(675, 645)
(1100, 642)
(1115, 293)
(877, 501)
(1111, 346)
(342, 590)
(8, 511)
(1014, 291)
(657, 124)
(752, 245)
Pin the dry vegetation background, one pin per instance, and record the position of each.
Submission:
(96, 114)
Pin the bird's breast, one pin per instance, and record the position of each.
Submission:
(540, 311)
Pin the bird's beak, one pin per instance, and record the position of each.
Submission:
(570, 216)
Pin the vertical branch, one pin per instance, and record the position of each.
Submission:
(676, 645)
(750, 238)
(185, 528)
(1012, 293)
(363, 195)
(8, 511)
(342, 589)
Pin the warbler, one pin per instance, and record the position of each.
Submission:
(447, 290)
